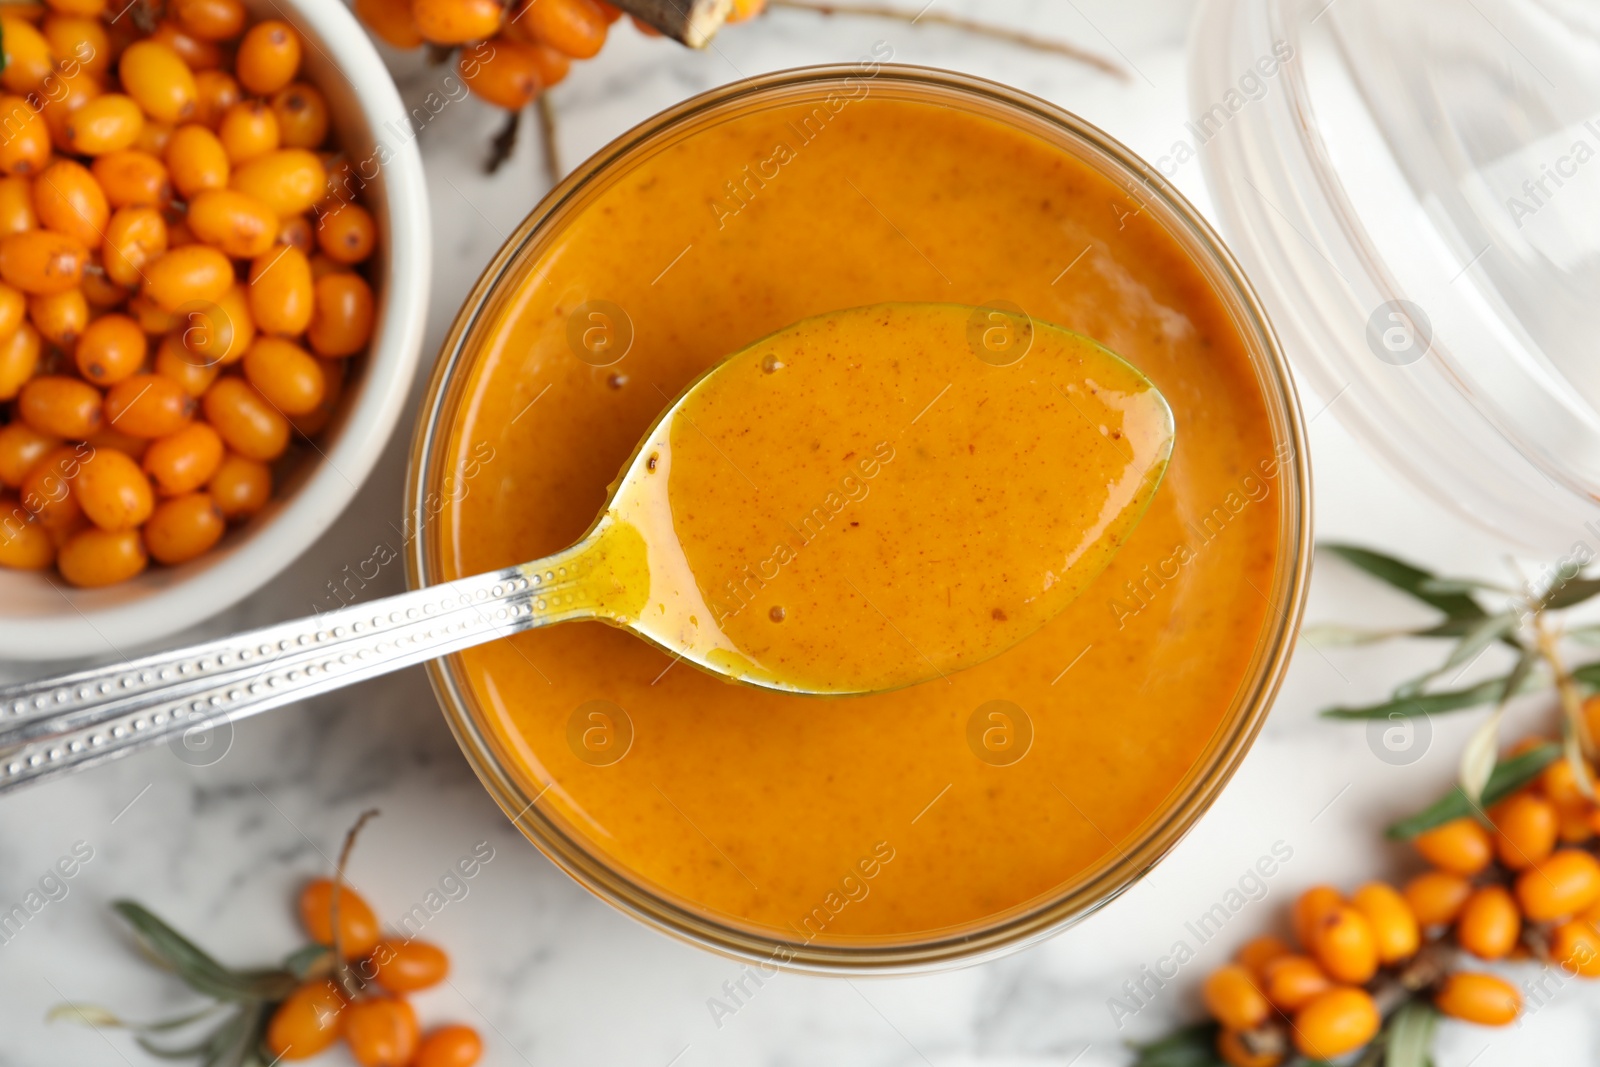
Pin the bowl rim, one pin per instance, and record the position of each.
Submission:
(180, 599)
(1026, 923)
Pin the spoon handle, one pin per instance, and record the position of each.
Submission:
(77, 720)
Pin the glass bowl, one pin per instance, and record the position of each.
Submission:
(434, 481)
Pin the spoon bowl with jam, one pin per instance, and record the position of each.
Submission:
(865, 500)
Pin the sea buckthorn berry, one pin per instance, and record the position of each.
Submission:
(175, 361)
(16, 205)
(183, 527)
(1394, 927)
(381, 1032)
(241, 487)
(56, 404)
(1339, 1021)
(553, 66)
(358, 926)
(184, 461)
(21, 447)
(28, 59)
(106, 438)
(341, 317)
(458, 1046)
(1525, 830)
(457, 21)
(1291, 982)
(151, 318)
(1489, 924)
(503, 72)
(390, 21)
(108, 123)
(131, 178)
(25, 148)
(85, 8)
(308, 1022)
(407, 966)
(69, 90)
(346, 233)
(248, 131)
(746, 9)
(1564, 884)
(79, 39)
(315, 421)
(269, 57)
(302, 115)
(156, 76)
(154, 138)
(59, 317)
(1478, 998)
(111, 348)
(102, 293)
(285, 374)
(113, 491)
(1342, 942)
(1559, 784)
(1260, 951)
(24, 545)
(196, 160)
(46, 490)
(1575, 947)
(217, 91)
(1574, 824)
(95, 557)
(1231, 996)
(1461, 845)
(13, 309)
(197, 54)
(247, 422)
(68, 199)
(296, 230)
(237, 223)
(19, 358)
(148, 405)
(135, 237)
(1591, 717)
(40, 261)
(574, 27)
(221, 331)
(185, 275)
(1309, 908)
(289, 180)
(1232, 1047)
(211, 20)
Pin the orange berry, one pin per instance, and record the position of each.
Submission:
(302, 115)
(39, 261)
(61, 406)
(28, 58)
(148, 405)
(1559, 784)
(1339, 1021)
(457, 21)
(1394, 927)
(185, 460)
(59, 317)
(504, 72)
(455, 1046)
(191, 274)
(249, 130)
(1291, 982)
(113, 492)
(135, 237)
(131, 178)
(1260, 951)
(381, 1032)
(218, 91)
(269, 57)
(238, 224)
(1478, 998)
(390, 21)
(407, 966)
(1489, 924)
(19, 358)
(211, 20)
(247, 422)
(1234, 1052)
(21, 447)
(196, 160)
(346, 233)
(26, 146)
(281, 291)
(194, 373)
(289, 180)
(16, 206)
(68, 199)
(358, 927)
(108, 123)
(308, 1022)
(1231, 996)
(574, 27)
(1565, 883)
(1575, 947)
(78, 39)
(1342, 941)
(111, 348)
(24, 545)
(46, 490)
(285, 374)
(1309, 908)
(197, 53)
(1525, 830)
(241, 487)
(156, 76)
(1461, 845)
(183, 527)
(342, 314)
(94, 557)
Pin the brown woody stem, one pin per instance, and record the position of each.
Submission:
(691, 22)
(547, 139)
(342, 972)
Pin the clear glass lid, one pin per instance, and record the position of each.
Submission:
(1414, 185)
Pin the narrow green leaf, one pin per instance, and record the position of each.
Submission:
(1192, 1046)
(1570, 592)
(229, 1044)
(1463, 585)
(1408, 579)
(1480, 637)
(196, 968)
(1430, 703)
(1588, 674)
(1509, 776)
(1332, 634)
(1410, 1034)
(1584, 635)
(1478, 756)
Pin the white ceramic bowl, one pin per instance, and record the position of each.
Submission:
(43, 618)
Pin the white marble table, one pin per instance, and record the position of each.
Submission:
(552, 976)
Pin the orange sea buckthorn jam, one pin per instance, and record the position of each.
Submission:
(946, 804)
